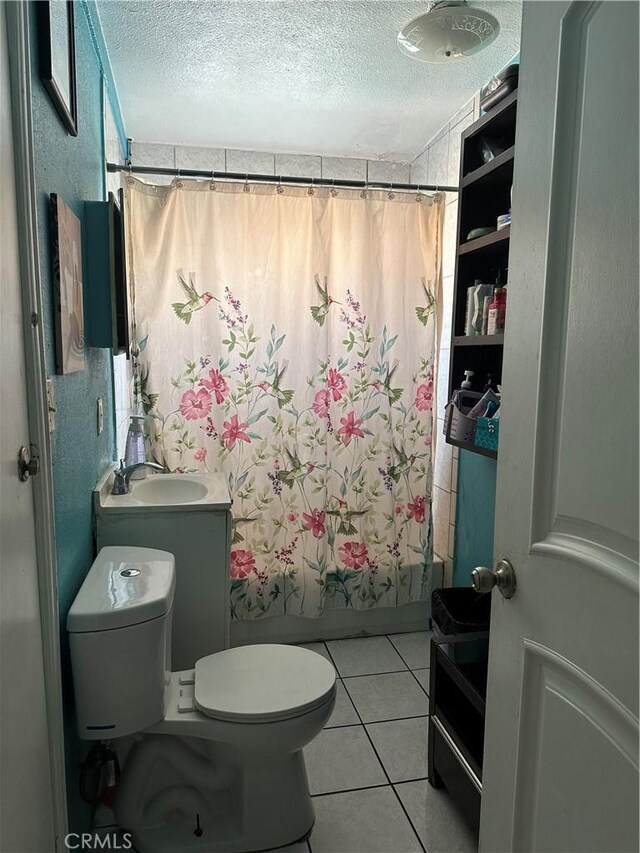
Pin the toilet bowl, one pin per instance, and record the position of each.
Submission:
(217, 763)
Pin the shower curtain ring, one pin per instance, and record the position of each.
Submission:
(365, 190)
(280, 188)
(334, 191)
(391, 193)
(245, 189)
(311, 190)
(178, 179)
(130, 175)
(212, 185)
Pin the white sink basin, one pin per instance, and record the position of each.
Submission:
(160, 492)
(168, 490)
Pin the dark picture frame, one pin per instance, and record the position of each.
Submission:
(57, 58)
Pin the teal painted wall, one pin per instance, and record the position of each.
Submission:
(73, 168)
(475, 515)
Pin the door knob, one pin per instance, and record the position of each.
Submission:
(28, 463)
(503, 576)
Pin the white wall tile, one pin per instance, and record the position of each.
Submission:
(449, 239)
(420, 168)
(444, 130)
(251, 162)
(439, 161)
(195, 157)
(442, 384)
(447, 310)
(455, 140)
(440, 509)
(447, 574)
(464, 111)
(451, 545)
(452, 507)
(442, 464)
(298, 165)
(388, 170)
(112, 182)
(152, 154)
(344, 168)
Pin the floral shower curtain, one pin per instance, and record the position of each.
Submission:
(286, 338)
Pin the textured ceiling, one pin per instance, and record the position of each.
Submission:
(304, 76)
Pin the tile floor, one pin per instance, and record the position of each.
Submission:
(367, 770)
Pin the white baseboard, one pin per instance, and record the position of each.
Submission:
(339, 624)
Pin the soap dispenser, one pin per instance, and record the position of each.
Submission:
(466, 383)
(135, 449)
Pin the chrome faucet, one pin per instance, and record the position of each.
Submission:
(122, 480)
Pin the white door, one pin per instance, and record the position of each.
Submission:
(26, 816)
(561, 749)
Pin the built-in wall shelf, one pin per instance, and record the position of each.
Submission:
(489, 241)
(491, 172)
(485, 194)
(501, 120)
(478, 340)
(474, 448)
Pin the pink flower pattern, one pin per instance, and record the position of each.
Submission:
(217, 384)
(321, 403)
(234, 431)
(195, 404)
(417, 509)
(314, 522)
(353, 554)
(350, 427)
(424, 395)
(242, 563)
(300, 485)
(336, 384)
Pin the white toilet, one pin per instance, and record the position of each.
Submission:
(217, 762)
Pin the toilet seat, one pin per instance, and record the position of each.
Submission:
(262, 683)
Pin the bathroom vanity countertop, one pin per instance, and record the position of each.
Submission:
(154, 494)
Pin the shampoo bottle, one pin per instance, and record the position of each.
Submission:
(497, 312)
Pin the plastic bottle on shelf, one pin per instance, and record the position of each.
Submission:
(497, 312)
(470, 307)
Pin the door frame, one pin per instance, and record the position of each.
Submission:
(17, 17)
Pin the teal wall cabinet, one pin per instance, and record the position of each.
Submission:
(107, 308)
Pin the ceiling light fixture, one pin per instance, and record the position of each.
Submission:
(450, 30)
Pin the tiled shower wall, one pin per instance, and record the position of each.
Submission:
(439, 163)
(265, 163)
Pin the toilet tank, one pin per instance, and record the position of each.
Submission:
(119, 628)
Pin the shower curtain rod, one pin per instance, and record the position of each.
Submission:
(279, 179)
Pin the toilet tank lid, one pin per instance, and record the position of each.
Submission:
(125, 586)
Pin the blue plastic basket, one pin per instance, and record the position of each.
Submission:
(487, 432)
